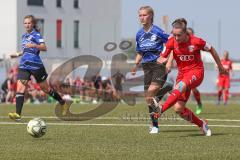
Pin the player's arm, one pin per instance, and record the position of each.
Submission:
(137, 62)
(231, 70)
(164, 56)
(41, 46)
(16, 54)
(165, 52)
(215, 56)
(169, 63)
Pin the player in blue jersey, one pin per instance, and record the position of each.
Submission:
(150, 41)
(31, 64)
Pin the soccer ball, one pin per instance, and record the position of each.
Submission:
(36, 127)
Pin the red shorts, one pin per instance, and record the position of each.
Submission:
(224, 81)
(192, 79)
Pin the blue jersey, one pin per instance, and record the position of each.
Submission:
(30, 59)
(150, 44)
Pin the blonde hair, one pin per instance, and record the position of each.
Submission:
(149, 10)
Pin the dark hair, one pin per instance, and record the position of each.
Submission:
(33, 19)
(180, 23)
(149, 10)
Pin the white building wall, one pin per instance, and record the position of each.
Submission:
(99, 22)
(8, 27)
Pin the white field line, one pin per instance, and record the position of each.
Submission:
(123, 117)
(118, 125)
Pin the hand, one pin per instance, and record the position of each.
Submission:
(161, 60)
(30, 45)
(223, 70)
(14, 55)
(133, 71)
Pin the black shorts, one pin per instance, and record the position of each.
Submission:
(118, 87)
(40, 75)
(154, 72)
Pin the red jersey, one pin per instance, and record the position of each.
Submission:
(227, 64)
(187, 54)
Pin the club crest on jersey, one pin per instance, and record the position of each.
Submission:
(29, 37)
(194, 78)
(191, 48)
(153, 37)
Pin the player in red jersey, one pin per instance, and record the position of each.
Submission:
(186, 52)
(195, 91)
(224, 79)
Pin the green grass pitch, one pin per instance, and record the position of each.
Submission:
(121, 134)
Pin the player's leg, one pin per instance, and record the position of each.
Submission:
(157, 81)
(220, 89)
(53, 93)
(41, 76)
(167, 87)
(147, 81)
(185, 81)
(181, 109)
(226, 90)
(23, 78)
(179, 89)
(225, 96)
(197, 97)
(65, 105)
(151, 92)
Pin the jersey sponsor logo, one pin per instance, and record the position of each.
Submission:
(147, 44)
(186, 57)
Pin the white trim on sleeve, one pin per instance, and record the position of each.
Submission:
(207, 47)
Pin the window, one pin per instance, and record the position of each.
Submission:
(76, 34)
(75, 4)
(59, 33)
(59, 3)
(40, 25)
(35, 2)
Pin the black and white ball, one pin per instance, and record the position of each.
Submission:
(37, 127)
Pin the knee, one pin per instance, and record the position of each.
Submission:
(181, 86)
(21, 86)
(148, 100)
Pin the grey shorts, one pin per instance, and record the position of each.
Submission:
(154, 72)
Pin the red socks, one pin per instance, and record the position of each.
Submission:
(188, 115)
(225, 96)
(171, 100)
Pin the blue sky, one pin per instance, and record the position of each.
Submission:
(203, 15)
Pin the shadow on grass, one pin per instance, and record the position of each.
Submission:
(41, 139)
(176, 130)
(202, 135)
(212, 113)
